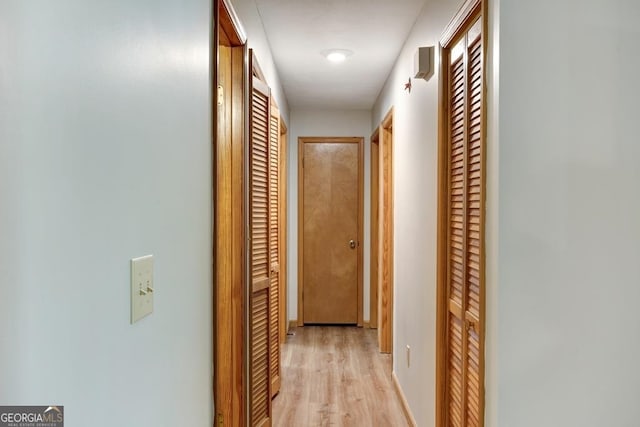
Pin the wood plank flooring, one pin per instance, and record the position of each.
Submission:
(335, 376)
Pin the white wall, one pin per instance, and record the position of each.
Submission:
(324, 123)
(257, 40)
(569, 211)
(415, 190)
(105, 154)
(492, 216)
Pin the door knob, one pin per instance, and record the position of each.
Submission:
(352, 244)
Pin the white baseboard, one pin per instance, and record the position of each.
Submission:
(403, 401)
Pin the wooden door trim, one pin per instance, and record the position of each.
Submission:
(256, 70)
(460, 23)
(283, 231)
(374, 232)
(360, 229)
(385, 248)
(228, 139)
(300, 318)
(330, 140)
(230, 24)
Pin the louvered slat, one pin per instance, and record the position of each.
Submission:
(274, 340)
(259, 185)
(455, 372)
(456, 242)
(259, 357)
(474, 180)
(274, 246)
(473, 380)
(274, 182)
(456, 183)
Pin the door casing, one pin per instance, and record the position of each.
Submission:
(283, 231)
(229, 86)
(385, 235)
(375, 229)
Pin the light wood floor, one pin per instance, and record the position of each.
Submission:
(334, 376)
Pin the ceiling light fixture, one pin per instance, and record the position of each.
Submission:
(337, 55)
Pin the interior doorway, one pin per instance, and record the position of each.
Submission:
(229, 58)
(461, 218)
(382, 232)
(331, 205)
(284, 323)
(374, 248)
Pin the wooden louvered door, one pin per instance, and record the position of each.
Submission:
(274, 247)
(474, 251)
(463, 212)
(260, 265)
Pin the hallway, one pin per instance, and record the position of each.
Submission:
(125, 132)
(334, 376)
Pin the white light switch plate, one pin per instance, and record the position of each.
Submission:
(141, 287)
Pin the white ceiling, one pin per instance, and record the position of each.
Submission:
(299, 30)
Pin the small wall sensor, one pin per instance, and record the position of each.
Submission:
(423, 63)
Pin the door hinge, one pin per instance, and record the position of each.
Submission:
(220, 420)
(220, 95)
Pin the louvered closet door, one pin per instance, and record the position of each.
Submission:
(465, 336)
(260, 268)
(274, 247)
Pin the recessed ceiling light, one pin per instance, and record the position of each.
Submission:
(337, 55)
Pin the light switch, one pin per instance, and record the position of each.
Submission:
(141, 287)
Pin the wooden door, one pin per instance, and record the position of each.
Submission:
(330, 188)
(274, 247)
(260, 257)
(462, 216)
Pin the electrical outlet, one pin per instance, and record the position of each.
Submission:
(408, 356)
(141, 287)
